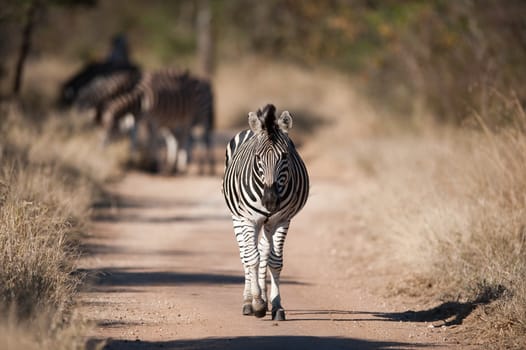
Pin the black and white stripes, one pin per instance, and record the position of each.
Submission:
(71, 89)
(102, 90)
(265, 185)
(169, 100)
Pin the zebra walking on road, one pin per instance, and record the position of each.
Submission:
(265, 184)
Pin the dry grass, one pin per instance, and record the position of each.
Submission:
(452, 204)
(38, 334)
(49, 176)
(247, 84)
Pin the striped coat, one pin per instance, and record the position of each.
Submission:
(265, 185)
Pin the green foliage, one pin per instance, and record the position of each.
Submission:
(446, 55)
(169, 39)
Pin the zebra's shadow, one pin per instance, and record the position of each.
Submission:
(325, 315)
(448, 313)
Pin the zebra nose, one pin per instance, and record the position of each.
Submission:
(271, 198)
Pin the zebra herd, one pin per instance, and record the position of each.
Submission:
(265, 181)
(171, 109)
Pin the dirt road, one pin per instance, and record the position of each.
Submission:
(167, 275)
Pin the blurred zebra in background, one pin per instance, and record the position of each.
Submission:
(98, 82)
(102, 90)
(265, 184)
(168, 102)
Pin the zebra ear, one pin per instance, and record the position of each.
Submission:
(285, 121)
(254, 122)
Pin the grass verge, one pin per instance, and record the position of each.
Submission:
(453, 205)
(50, 173)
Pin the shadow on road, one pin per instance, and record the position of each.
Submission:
(256, 343)
(449, 313)
(160, 219)
(114, 201)
(122, 277)
(86, 248)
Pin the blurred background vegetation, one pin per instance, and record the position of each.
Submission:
(445, 57)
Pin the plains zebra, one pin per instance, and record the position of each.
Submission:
(265, 184)
(169, 100)
(70, 89)
(102, 90)
(117, 61)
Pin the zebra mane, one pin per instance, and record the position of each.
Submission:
(264, 122)
(267, 116)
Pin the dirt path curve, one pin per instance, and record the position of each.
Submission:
(168, 276)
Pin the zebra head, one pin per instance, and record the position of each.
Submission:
(271, 153)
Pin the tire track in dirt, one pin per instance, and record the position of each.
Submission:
(166, 274)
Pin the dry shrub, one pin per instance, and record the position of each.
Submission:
(38, 214)
(49, 175)
(454, 208)
(490, 260)
(66, 140)
(37, 334)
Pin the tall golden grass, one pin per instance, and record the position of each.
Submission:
(50, 173)
(452, 204)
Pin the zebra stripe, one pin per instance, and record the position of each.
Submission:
(174, 100)
(100, 91)
(265, 185)
(70, 89)
(117, 61)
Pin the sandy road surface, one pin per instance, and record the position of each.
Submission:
(167, 275)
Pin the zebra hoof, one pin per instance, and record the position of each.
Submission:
(259, 307)
(278, 315)
(260, 313)
(247, 310)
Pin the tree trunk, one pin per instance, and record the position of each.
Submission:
(205, 44)
(25, 46)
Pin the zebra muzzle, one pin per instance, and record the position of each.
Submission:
(271, 198)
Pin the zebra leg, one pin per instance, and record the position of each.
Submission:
(275, 265)
(166, 151)
(183, 157)
(249, 232)
(246, 234)
(133, 138)
(152, 147)
(264, 250)
(247, 294)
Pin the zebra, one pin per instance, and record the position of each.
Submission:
(101, 90)
(172, 102)
(71, 88)
(265, 184)
(117, 61)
